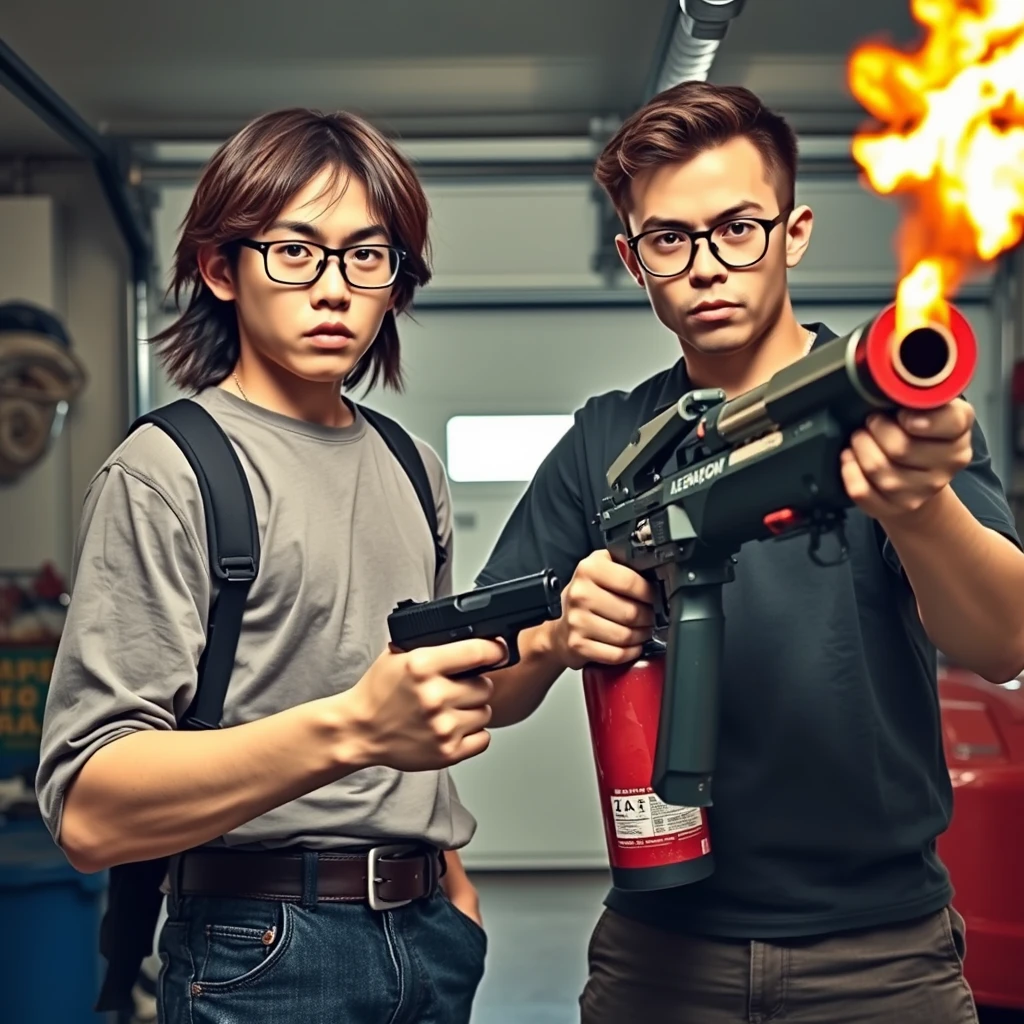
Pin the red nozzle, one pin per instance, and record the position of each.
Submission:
(926, 368)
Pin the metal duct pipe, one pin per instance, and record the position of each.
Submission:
(698, 32)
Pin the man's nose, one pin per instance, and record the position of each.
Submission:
(705, 265)
(331, 285)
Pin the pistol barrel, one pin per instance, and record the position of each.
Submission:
(497, 610)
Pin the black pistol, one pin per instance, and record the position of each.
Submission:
(499, 611)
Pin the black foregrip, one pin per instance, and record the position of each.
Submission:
(688, 728)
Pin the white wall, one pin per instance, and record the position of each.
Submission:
(61, 248)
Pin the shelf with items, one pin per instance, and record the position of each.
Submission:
(33, 607)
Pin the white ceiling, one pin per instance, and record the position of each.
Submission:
(444, 67)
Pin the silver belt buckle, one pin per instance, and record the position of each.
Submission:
(376, 901)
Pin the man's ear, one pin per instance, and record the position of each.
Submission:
(215, 268)
(798, 234)
(629, 259)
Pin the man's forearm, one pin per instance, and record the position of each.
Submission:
(520, 689)
(150, 794)
(968, 581)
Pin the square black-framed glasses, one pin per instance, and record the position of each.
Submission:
(395, 256)
(762, 225)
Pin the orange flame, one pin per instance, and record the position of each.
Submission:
(952, 146)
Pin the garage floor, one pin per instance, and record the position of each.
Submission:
(538, 926)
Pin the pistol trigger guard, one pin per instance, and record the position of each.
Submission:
(513, 653)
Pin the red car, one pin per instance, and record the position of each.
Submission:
(983, 732)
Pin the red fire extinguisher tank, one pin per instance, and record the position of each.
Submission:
(651, 844)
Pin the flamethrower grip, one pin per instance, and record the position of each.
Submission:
(684, 758)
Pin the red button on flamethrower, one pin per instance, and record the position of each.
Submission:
(781, 520)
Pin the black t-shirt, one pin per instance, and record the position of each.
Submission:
(831, 784)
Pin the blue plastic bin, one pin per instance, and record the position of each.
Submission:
(49, 920)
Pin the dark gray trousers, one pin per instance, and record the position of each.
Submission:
(909, 973)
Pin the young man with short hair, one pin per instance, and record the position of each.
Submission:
(828, 902)
(305, 238)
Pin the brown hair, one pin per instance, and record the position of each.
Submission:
(244, 187)
(685, 119)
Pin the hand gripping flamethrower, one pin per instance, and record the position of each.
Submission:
(709, 475)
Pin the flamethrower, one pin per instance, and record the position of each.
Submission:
(709, 475)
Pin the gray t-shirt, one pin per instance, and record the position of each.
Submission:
(343, 540)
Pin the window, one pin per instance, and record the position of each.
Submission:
(501, 448)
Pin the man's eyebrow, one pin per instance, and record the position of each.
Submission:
(314, 234)
(748, 206)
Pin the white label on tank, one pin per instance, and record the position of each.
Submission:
(646, 816)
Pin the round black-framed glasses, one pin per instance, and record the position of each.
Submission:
(301, 262)
(736, 243)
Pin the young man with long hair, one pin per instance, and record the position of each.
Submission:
(827, 902)
(306, 237)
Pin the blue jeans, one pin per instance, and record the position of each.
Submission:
(244, 961)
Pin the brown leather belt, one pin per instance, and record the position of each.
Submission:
(385, 876)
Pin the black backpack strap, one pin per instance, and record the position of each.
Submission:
(128, 928)
(232, 540)
(134, 896)
(403, 447)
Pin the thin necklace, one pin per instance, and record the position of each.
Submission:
(242, 393)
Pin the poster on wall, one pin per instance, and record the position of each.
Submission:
(32, 610)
